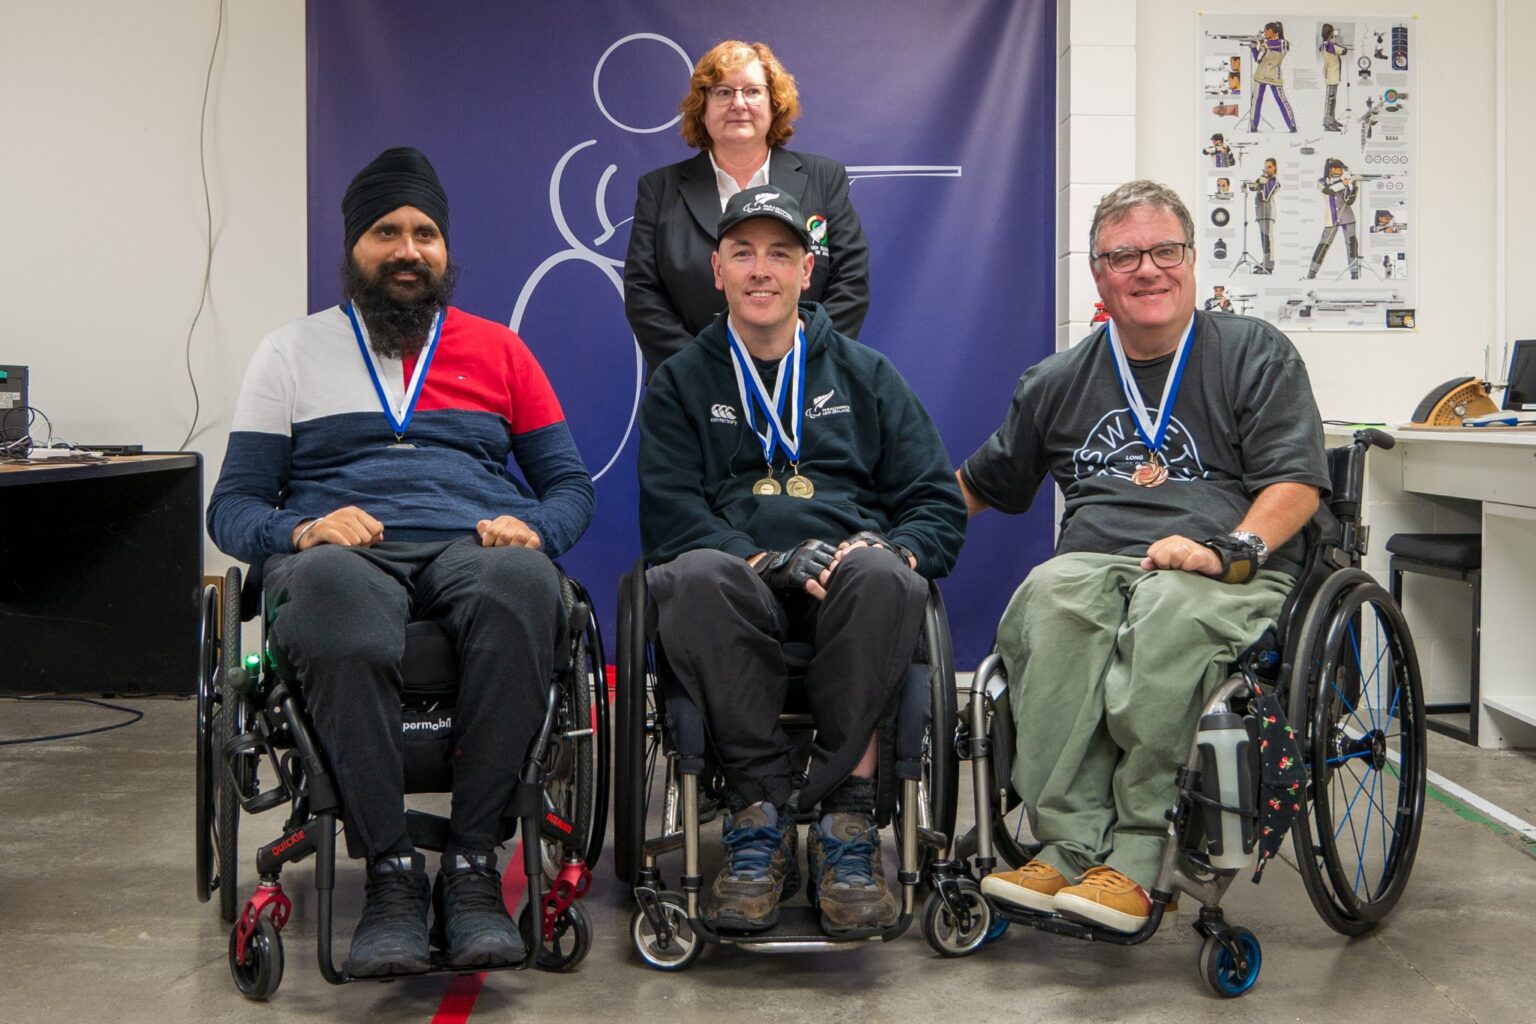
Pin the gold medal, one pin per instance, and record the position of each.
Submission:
(798, 486)
(1150, 473)
(767, 485)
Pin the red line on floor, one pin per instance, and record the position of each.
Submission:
(459, 1000)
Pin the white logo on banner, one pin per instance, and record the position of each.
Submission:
(611, 268)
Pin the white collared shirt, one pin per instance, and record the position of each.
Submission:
(726, 185)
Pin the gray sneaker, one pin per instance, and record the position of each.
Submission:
(758, 872)
(391, 938)
(473, 924)
(847, 876)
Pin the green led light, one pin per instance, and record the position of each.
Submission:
(252, 662)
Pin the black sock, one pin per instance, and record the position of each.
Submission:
(854, 795)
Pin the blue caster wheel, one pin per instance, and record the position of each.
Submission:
(1219, 967)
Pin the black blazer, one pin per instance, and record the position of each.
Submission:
(669, 289)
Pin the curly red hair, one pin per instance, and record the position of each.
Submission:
(732, 55)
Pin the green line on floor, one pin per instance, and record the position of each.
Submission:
(1467, 813)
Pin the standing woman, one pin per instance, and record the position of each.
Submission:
(739, 112)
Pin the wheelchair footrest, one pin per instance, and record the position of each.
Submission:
(797, 923)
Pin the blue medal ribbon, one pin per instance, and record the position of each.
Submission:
(399, 418)
(1153, 434)
(791, 378)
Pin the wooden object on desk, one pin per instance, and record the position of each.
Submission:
(100, 570)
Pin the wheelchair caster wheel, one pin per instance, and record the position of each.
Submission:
(262, 971)
(682, 947)
(571, 942)
(1219, 968)
(998, 929)
(955, 935)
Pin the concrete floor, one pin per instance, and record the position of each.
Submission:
(98, 923)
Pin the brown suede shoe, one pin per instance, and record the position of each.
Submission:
(1109, 899)
(847, 876)
(758, 872)
(1033, 886)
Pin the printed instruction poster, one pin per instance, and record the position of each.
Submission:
(1307, 156)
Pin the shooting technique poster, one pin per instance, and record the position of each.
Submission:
(1307, 152)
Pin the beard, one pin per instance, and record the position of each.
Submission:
(398, 315)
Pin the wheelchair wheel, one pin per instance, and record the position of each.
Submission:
(229, 722)
(955, 935)
(571, 943)
(207, 764)
(577, 784)
(684, 945)
(635, 728)
(262, 971)
(1219, 970)
(1359, 717)
(939, 786)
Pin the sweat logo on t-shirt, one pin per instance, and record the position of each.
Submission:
(1114, 448)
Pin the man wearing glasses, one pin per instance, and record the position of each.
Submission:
(1189, 452)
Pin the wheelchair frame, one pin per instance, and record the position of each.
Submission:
(247, 713)
(1321, 616)
(668, 929)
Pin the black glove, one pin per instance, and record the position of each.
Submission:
(789, 570)
(880, 540)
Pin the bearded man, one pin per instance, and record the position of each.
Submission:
(370, 477)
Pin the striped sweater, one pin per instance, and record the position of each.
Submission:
(310, 436)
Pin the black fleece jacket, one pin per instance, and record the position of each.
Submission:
(869, 447)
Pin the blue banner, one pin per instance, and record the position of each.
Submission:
(540, 118)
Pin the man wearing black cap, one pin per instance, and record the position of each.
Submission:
(791, 488)
(368, 476)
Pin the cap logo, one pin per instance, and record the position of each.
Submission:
(763, 203)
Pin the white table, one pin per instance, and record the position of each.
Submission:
(1466, 481)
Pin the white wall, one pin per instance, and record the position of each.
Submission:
(102, 202)
(1379, 376)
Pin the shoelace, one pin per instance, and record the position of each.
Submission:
(751, 850)
(851, 860)
(397, 890)
(474, 887)
(1107, 879)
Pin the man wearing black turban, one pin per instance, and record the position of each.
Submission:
(369, 476)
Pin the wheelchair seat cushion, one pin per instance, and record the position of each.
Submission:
(431, 667)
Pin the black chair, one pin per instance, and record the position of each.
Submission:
(249, 717)
(1449, 556)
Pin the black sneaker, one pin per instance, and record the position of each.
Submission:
(847, 877)
(392, 936)
(472, 923)
(759, 870)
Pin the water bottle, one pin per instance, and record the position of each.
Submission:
(1228, 775)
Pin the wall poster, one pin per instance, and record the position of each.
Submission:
(1307, 152)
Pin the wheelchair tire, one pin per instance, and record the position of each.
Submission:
(1218, 968)
(1361, 697)
(579, 790)
(262, 971)
(947, 934)
(571, 943)
(207, 764)
(234, 777)
(940, 784)
(685, 945)
(633, 724)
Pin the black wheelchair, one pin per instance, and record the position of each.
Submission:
(656, 720)
(1341, 666)
(250, 718)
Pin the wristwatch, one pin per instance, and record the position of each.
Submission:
(1242, 552)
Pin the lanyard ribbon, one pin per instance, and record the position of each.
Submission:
(1153, 434)
(399, 416)
(792, 367)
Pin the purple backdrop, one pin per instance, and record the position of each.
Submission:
(541, 117)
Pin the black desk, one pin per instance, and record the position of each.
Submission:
(100, 570)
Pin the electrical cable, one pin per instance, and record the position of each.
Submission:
(202, 160)
(80, 732)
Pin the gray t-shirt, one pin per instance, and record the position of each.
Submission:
(1243, 419)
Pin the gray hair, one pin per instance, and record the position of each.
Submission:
(1141, 192)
